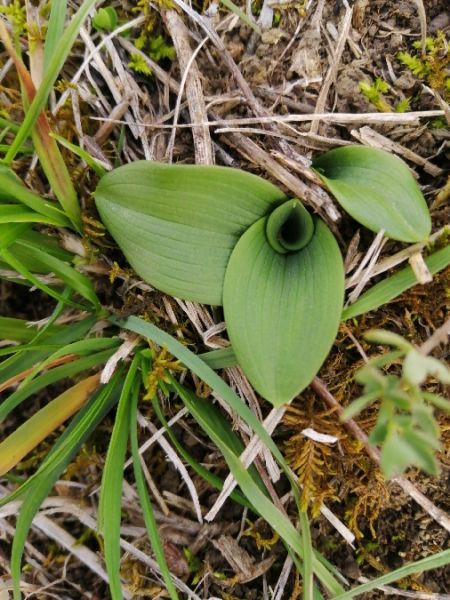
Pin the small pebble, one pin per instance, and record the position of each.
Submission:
(439, 23)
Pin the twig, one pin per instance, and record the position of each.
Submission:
(191, 77)
(343, 118)
(177, 463)
(94, 50)
(366, 135)
(439, 337)
(252, 450)
(332, 71)
(396, 259)
(257, 155)
(373, 253)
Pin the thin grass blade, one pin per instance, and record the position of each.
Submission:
(205, 473)
(11, 213)
(144, 499)
(26, 437)
(19, 330)
(40, 484)
(53, 375)
(58, 58)
(45, 146)
(396, 284)
(110, 504)
(67, 334)
(55, 30)
(12, 188)
(440, 559)
(209, 418)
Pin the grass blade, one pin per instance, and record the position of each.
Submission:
(58, 58)
(91, 162)
(431, 562)
(67, 334)
(40, 484)
(200, 368)
(209, 418)
(396, 284)
(55, 30)
(51, 376)
(78, 348)
(10, 233)
(146, 505)
(14, 189)
(109, 516)
(26, 437)
(11, 213)
(74, 279)
(19, 330)
(18, 266)
(308, 553)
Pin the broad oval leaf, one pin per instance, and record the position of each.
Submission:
(177, 224)
(378, 190)
(283, 310)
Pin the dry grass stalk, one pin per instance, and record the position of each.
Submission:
(194, 90)
(252, 450)
(331, 75)
(173, 457)
(255, 154)
(399, 257)
(366, 135)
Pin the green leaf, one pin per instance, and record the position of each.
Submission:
(112, 481)
(19, 330)
(55, 30)
(417, 367)
(13, 189)
(13, 213)
(388, 338)
(377, 190)
(177, 225)
(144, 498)
(40, 484)
(407, 448)
(105, 19)
(283, 310)
(393, 286)
(220, 359)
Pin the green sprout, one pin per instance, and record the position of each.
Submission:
(406, 428)
(375, 94)
(105, 19)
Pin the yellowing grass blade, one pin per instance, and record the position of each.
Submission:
(40, 425)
